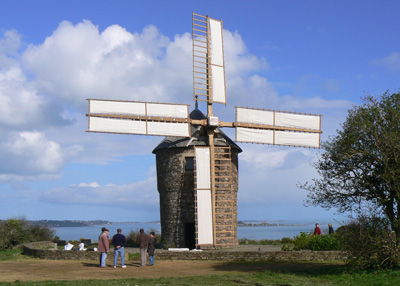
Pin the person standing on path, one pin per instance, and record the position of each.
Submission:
(317, 230)
(143, 241)
(152, 248)
(104, 246)
(119, 241)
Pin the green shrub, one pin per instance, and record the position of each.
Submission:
(309, 241)
(370, 243)
(18, 231)
(244, 241)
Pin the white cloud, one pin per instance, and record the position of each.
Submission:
(78, 62)
(32, 154)
(139, 195)
(238, 60)
(390, 62)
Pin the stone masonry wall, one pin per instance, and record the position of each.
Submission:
(272, 256)
(45, 250)
(41, 250)
(175, 186)
(177, 201)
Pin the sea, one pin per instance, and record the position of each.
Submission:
(283, 228)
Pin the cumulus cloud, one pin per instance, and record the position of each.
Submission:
(139, 195)
(78, 61)
(32, 154)
(21, 105)
(390, 62)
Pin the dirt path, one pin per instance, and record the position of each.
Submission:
(32, 269)
(39, 270)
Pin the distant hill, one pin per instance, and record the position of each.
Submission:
(68, 223)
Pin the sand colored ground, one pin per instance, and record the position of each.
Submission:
(33, 269)
(39, 270)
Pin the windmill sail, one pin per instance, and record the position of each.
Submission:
(141, 118)
(208, 60)
(278, 127)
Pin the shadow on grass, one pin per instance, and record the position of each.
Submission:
(298, 268)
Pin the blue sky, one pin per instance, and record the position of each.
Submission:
(305, 56)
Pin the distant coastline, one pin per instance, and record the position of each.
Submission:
(84, 223)
(263, 223)
(69, 223)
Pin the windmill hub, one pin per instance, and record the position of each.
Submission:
(213, 121)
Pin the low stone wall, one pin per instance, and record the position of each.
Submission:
(45, 250)
(281, 256)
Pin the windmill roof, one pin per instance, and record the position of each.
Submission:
(199, 138)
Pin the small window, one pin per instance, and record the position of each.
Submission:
(189, 164)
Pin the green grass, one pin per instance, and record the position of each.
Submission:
(261, 278)
(10, 254)
(278, 274)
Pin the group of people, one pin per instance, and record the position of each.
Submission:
(317, 229)
(147, 245)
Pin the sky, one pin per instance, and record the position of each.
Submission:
(317, 57)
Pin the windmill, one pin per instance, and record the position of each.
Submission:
(212, 176)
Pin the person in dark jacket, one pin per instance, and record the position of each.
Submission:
(331, 231)
(151, 248)
(119, 241)
(143, 241)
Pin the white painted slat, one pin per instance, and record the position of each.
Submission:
(98, 124)
(116, 107)
(297, 139)
(256, 116)
(168, 129)
(254, 135)
(218, 84)
(204, 217)
(167, 110)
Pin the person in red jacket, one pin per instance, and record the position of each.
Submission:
(104, 246)
(317, 230)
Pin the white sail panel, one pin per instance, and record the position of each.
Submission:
(254, 135)
(203, 168)
(218, 84)
(217, 53)
(116, 107)
(256, 116)
(301, 139)
(204, 217)
(298, 120)
(167, 110)
(110, 125)
(168, 129)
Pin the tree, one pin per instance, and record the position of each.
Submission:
(17, 231)
(360, 166)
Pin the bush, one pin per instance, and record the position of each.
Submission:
(309, 241)
(18, 231)
(265, 241)
(370, 243)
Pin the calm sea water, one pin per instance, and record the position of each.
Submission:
(290, 229)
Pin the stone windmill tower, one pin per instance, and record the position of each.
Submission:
(175, 157)
(197, 164)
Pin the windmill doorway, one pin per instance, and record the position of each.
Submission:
(189, 233)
